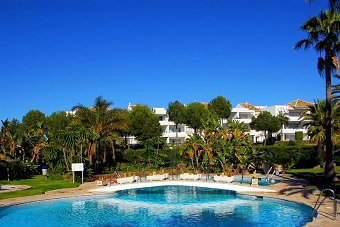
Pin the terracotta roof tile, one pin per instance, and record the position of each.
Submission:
(251, 107)
(299, 103)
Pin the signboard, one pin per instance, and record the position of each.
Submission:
(78, 167)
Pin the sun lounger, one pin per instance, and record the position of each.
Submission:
(157, 177)
(127, 179)
(225, 179)
(101, 183)
(190, 176)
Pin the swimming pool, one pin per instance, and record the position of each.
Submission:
(159, 206)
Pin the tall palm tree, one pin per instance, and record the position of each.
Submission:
(101, 120)
(284, 120)
(323, 32)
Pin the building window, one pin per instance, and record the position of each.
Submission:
(294, 114)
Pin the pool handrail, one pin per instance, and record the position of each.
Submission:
(316, 206)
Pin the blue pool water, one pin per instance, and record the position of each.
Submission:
(247, 180)
(262, 181)
(159, 206)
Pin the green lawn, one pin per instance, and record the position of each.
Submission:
(39, 186)
(316, 178)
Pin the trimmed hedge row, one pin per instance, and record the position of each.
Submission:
(291, 156)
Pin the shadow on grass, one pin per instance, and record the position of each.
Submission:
(39, 185)
(308, 183)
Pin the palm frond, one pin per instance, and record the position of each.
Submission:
(305, 43)
(321, 66)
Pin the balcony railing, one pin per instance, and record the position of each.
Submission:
(173, 134)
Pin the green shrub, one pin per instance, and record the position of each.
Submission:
(291, 143)
(57, 176)
(18, 169)
(298, 136)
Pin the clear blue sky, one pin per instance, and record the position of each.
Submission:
(55, 54)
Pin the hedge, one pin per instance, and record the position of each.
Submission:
(292, 156)
(18, 170)
(298, 136)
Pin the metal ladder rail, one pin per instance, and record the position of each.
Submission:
(272, 174)
(268, 172)
(317, 206)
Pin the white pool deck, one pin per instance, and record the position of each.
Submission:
(232, 187)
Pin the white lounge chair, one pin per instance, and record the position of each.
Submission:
(102, 182)
(157, 177)
(190, 176)
(127, 179)
(224, 179)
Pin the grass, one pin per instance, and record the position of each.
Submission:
(316, 178)
(39, 185)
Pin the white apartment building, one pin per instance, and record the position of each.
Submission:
(169, 128)
(293, 111)
(243, 113)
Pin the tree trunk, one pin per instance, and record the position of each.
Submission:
(242, 175)
(65, 159)
(126, 142)
(104, 154)
(176, 134)
(89, 153)
(282, 133)
(265, 137)
(329, 166)
(81, 152)
(113, 150)
(196, 160)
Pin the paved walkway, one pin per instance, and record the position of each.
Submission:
(209, 184)
(290, 189)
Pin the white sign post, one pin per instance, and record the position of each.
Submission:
(78, 167)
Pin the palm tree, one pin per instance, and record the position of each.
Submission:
(59, 143)
(114, 138)
(336, 92)
(4, 138)
(315, 120)
(323, 34)
(37, 140)
(333, 4)
(85, 137)
(101, 120)
(237, 130)
(193, 146)
(284, 120)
